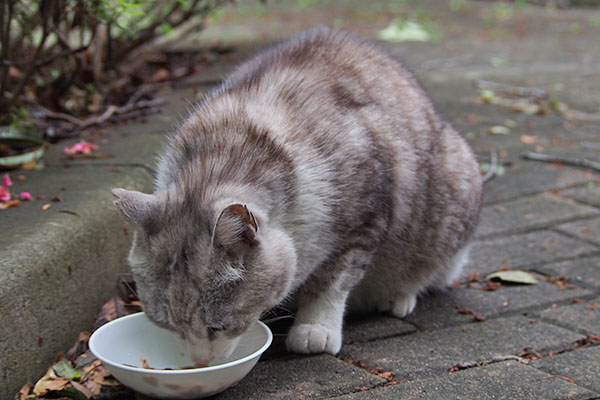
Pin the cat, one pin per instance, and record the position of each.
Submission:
(320, 171)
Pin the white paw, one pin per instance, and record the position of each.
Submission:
(313, 338)
(404, 305)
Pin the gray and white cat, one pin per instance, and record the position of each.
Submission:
(318, 170)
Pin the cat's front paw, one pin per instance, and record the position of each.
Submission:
(313, 338)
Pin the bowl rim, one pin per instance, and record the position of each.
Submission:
(257, 353)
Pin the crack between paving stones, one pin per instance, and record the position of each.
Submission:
(533, 193)
(572, 236)
(524, 312)
(552, 321)
(394, 335)
(528, 355)
(534, 228)
(389, 376)
(532, 265)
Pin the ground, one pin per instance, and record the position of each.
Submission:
(515, 342)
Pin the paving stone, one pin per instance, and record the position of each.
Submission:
(520, 180)
(530, 212)
(588, 229)
(589, 194)
(367, 328)
(581, 365)
(507, 380)
(524, 250)
(440, 310)
(311, 377)
(583, 317)
(433, 352)
(582, 271)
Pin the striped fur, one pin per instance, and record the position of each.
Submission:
(342, 185)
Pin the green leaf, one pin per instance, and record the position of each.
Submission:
(487, 94)
(513, 276)
(64, 369)
(404, 31)
(73, 393)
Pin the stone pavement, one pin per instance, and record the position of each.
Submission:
(530, 341)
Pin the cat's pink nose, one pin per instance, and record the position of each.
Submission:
(200, 358)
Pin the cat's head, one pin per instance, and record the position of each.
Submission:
(206, 274)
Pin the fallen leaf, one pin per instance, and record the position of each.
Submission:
(86, 392)
(25, 196)
(4, 191)
(82, 147)
(64, 369)
(499, 130)
(529, 139)
(161, 74)
(25, 391)
(404, 31)
(46, 206)
(530, 354)
(49, 383)
(10, 203)
(474, 316)
(29, 165)
(513, 276)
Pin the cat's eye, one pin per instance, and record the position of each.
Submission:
(213, 330)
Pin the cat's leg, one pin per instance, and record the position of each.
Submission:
(404, 304)
(318, 325)
(321, 305)
(453, 270)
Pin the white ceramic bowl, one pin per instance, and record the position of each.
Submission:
(124, 343)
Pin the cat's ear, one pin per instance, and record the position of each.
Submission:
(236, 230)
(137, 207)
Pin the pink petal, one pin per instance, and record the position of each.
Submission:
(7, 180)
(25, 196)
(4, 193)
(81, 147)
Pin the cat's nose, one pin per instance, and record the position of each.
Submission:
(200, 358)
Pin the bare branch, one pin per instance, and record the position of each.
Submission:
(568, 161)
(493, 166)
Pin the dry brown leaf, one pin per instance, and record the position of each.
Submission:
(79, 347)
(86, 391)
(160, 75)
(49, 384)
(94, 387)
(25, 391)
(529, 139)
(29, 165)
(10, 203)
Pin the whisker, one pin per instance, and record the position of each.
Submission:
(268, 321)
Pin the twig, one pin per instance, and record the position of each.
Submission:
(71, 130)
(112, 110)
(564, 378)
(569, 161)
(511, 90)
(493, 166)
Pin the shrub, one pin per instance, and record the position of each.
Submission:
(70, 55)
